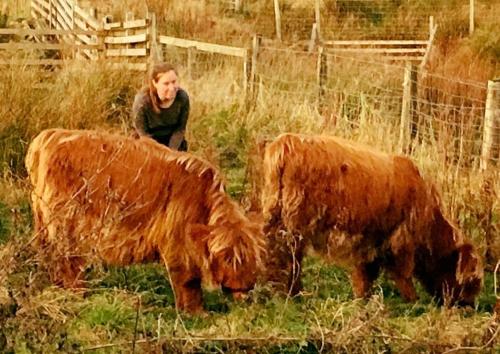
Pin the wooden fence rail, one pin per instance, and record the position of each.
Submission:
(416, 50)
(205, 47)
(132, 42)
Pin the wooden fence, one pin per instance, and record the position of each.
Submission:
(128, 42)
(238, 5)
(64, 14)
(45, 43)
(412, 102)
(76, 33)
(416, 50)
(226, 5)
(193, 46)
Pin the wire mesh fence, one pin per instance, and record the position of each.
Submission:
(371, 19)
(358, 92)
(346, 91)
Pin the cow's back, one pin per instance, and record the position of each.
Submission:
(113, 192)
(331, 181)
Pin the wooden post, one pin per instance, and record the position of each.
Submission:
(432, 34)
(255, 54)
(317, 15)
(321, 76)
(93, 12)
(237, 5)
(191, 51)
(129, 16)
(86, 52)
(156, 53)
(50, 14)
(245, 74)
(414, 104)
(277, 17)
(314, 37)
(105, 20)
(471, 17)
(405, 110)
(491, 127)
(94, 53)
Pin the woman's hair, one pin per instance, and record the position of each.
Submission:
(156, 70)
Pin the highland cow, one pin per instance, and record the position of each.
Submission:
(103, 197)
(365, 210)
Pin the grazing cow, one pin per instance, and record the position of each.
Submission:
(98, 196)
(365, 210)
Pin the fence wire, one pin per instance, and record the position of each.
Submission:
(446, 113)
(371, 19)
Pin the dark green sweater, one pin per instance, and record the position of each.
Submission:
(161, 126)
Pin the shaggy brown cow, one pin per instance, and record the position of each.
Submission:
(125, 201)
(365, 210)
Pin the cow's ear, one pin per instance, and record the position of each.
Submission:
(199, 234)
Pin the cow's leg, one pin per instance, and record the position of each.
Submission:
(401, 263)
(69, 266)
(279, 255)
(296, 247)
(363, 276)
(187, 289)
(60, 251)
(69, 272)
(41, 221)
(37, 216)
(401, 271)
(284, 262)
(406, 288)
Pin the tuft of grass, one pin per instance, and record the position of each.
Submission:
(108, 312)
(148, 280)
(5, 223)
(15, 210)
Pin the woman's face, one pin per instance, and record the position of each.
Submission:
(166, 85)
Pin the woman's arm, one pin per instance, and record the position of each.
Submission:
(138, 114)
(178, 135)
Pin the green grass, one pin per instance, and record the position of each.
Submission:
(124, 303)
(5, 223)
